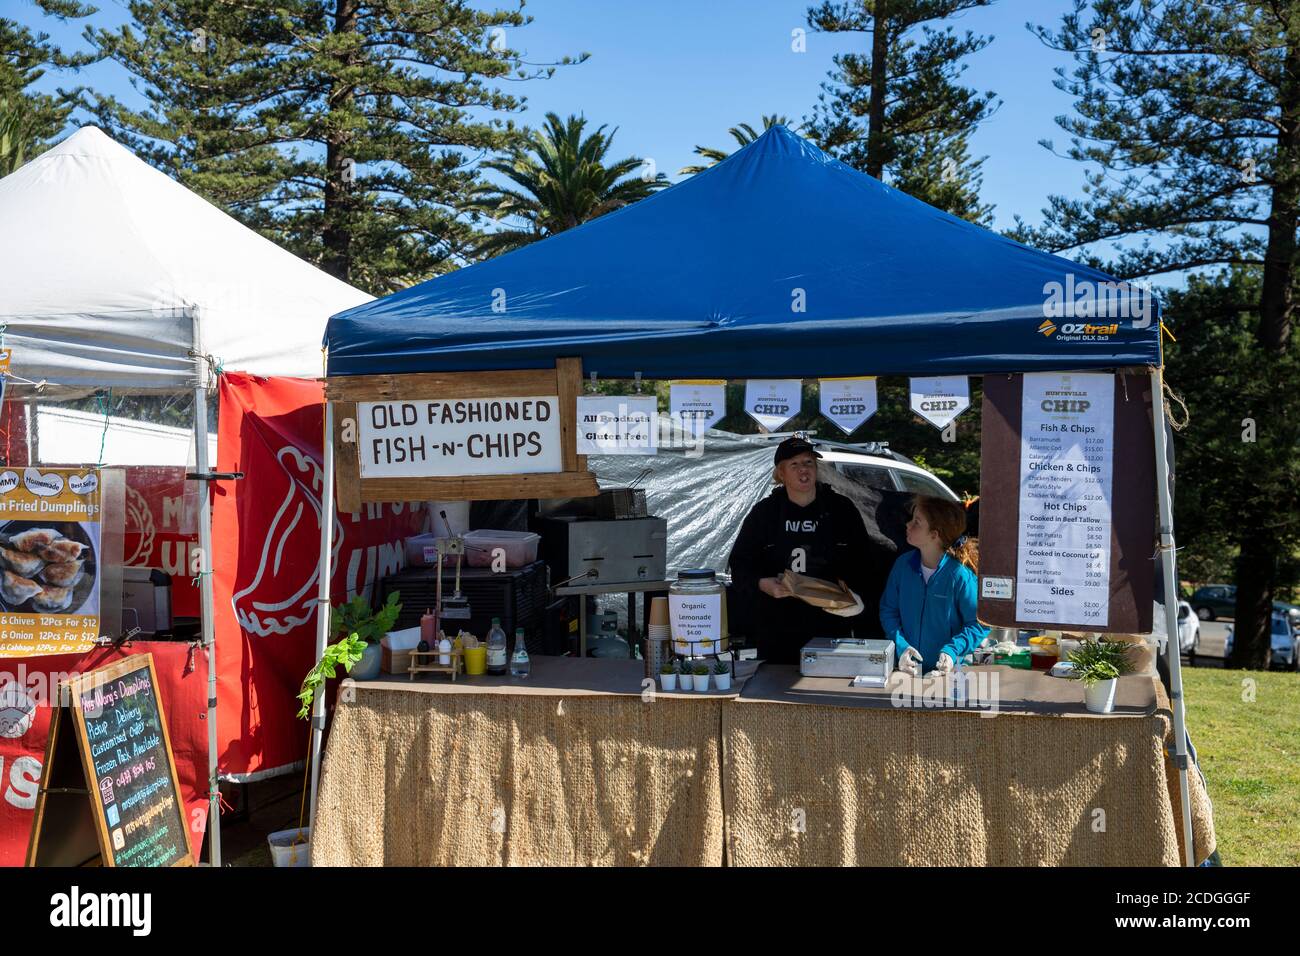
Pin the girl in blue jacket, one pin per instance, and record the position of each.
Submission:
(928, 607)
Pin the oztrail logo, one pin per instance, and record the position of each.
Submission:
(1105, 302)
(1048, 328)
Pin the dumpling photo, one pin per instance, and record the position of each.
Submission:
(15, 589)
(34, 539)
(62, 549)
(52, 599)
(63, 574)
(20, 562)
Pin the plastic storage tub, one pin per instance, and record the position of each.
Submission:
(519, 547)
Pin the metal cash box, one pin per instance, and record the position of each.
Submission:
(871, 658)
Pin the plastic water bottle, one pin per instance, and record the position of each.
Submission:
(958, 685)
(496, 648)
(520, 665)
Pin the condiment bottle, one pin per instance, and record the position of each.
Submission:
(444, 650)
(429, 627)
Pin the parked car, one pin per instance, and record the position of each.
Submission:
(1284, 642)
(877, 467)
(1215, 600)
(1189, 631)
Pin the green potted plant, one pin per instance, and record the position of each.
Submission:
(1099, 665)
(668, 675)
(722, 675)
(701, 674)
(357, 617)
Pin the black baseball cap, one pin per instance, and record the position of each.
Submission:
(791, 447)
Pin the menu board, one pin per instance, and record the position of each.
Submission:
(1064, 542)
(127, 770)
(50, 560)
(1067, 452)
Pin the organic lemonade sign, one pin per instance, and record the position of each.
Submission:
(49, 561)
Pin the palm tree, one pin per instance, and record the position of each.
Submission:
(559, 180)
(744, 134)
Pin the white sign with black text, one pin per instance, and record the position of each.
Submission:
(617, 424)
(697, 406)
(848, 402)
(773, 401)
(940, 400)
(459, 437)
(1067, 443)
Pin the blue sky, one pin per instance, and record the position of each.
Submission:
(673, 74)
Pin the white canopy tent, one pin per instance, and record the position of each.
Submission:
(115, 276)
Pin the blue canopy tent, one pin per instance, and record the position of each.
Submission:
(777, 262)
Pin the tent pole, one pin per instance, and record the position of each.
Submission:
(203, 467)
(1172, 649)
(323, 598)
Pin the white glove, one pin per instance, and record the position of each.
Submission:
(944, 665)
(852, 611)
(910, 662)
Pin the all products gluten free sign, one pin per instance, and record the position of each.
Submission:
(459, 437)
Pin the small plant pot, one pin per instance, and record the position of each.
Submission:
(368, 667)
(1099, 698)
(667, 681)
(701, 681)
(723, 681)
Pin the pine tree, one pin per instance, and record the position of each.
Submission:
(345, 131)
(1189, 114)
(896, 111)
(28, 119)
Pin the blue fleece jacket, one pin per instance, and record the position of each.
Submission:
(937, 617)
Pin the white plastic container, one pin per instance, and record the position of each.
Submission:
(415, 546)
(518, 547)
(286, 852)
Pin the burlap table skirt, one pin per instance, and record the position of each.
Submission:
(851, 786)
(414, 779)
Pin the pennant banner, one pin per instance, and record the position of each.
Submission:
(773, 401)
(848, 402)
(940, 400)
(698, 405)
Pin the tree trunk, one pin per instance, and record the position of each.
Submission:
(336, 234)
(879, 76)
(1250, 629)
(1257, 563)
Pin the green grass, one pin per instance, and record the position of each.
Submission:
(1250, 754)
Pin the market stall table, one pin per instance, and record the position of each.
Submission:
(817, 772)
(574, 765)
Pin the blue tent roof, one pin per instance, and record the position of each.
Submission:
(707, 279)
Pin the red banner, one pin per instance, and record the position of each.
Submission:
(161, 527)
(27, 686)
(266, 546)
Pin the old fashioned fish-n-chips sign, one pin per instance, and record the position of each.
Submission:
(466, 436)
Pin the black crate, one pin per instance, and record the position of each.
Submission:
(517, 596)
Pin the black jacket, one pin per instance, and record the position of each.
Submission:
(835, 546)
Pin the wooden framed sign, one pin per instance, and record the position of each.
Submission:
(463, 436)
(1067, 502)
(109, 793)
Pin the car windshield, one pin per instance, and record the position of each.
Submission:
(1280, 626)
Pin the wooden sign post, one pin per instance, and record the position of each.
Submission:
(109, 794)
(460, 436)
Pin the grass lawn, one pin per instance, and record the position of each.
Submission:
(1250, 754)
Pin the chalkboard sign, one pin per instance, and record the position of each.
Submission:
(127, 779)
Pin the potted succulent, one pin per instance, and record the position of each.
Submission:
(702, 676)
(722, 675)
(668, 675)
(1099, 665)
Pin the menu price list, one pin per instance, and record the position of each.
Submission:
(1066, 472)
(132, 771)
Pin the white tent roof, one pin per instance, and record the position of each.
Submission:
(113, 272)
